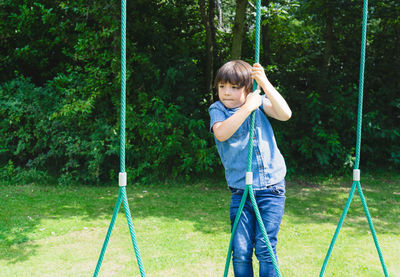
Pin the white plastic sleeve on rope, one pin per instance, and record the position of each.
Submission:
(249, 178)
(356, 175)
(122, 179)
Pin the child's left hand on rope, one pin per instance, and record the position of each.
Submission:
(258, 74)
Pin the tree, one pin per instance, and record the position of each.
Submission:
(238, 28)
(265, 38)
(207, 17)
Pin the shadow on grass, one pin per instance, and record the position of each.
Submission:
(324, 201)
(22, 208)
(13, 242)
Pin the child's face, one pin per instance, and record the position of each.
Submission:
(231, 95)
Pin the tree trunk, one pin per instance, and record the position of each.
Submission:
(207, 17)
(213, 29)
(238, 29)
(266, 60)
(219, 13)
(329, 38)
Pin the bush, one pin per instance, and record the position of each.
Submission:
(48, 129)
(164, 141)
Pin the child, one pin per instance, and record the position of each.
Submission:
(230, 124)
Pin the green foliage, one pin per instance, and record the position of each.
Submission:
(11, 175)
(320, 83)
(59, 90)
(167, 139)
(47, 133)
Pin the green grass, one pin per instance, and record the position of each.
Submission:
(183, 229)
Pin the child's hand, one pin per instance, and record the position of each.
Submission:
(253, 100)
(258, 74)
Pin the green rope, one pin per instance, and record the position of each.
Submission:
(249, 188)
(239, 212)
(371, 226)
(132, 232)
(110, 228)
(361, 83)
(122, 190)
(357, 184)
(123, 86)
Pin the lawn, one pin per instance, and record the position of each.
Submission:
(183, 229)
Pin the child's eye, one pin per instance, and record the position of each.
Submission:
(221, 86)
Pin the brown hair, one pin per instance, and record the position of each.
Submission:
(235, 72)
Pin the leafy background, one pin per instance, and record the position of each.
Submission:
(59, 87)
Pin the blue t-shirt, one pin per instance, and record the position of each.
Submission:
(268, 164)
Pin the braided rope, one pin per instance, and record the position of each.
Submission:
(342, 217)
(249, 188)
(132, 232)
(356, 183)
(123, 85)
(361, 83)
(371, 227)
(264, 232)
(122, 190)
(239, 212)
(110, 228)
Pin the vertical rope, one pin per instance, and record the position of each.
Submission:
(256, 60)
(249, 188)
(123, 136)
(361, 83)
(250, 158)
(123, 85)
(357, 184)
(122, 190)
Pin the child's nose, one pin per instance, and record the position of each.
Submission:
(230, 90)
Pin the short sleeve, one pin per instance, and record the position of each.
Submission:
(216, 115)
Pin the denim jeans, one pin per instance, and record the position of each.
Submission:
(271, 203)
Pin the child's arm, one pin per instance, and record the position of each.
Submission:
(225, 129)
(274, 104)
